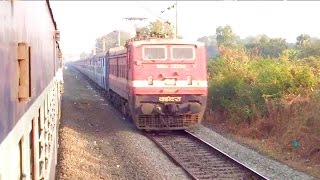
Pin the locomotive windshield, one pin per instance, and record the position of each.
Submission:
(182, 53)
(154, 53)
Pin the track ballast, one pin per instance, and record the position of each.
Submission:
(199, 159)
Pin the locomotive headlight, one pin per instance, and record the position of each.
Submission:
(189, 80)
(150, 80)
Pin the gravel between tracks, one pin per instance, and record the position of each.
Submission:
(97, 143)
(267, 167)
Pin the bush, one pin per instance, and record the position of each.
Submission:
(240, 88)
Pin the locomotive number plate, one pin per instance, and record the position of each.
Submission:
(170, 99)
(170, 81)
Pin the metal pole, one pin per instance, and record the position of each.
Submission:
(118, 37)
(104, 44)
(176, 19)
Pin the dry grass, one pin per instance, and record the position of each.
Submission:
(292, 118)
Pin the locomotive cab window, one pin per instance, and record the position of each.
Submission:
(154, 53)
(182, 53)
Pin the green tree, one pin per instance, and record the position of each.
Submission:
(211, 45)
(225, 36)
(312, 50)
(144, 31)
(263, 39)
(161, 28)
(208, 40)
(303, 40)
(111, 40)
(274, 47)
(264, 46)
(307, 46)
(99, 45)
(156, 28)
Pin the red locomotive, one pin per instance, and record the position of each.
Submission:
(160, 83)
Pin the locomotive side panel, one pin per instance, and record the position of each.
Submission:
(30, 23)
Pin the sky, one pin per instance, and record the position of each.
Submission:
(81, 22)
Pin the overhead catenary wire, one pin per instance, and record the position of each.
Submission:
(150, 11)
(174, 6)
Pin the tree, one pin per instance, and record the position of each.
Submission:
(99, 45)
(161, 28)
(251, 40)
(308, 47)
(303, 40)
(211, 45)
(111, 40)
(264, 46)
(156, 28)
(144, 31)
(272, 47)
(225, 37)
(208, 40)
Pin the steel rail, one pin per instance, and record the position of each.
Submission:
(228, 163)
(226, 155)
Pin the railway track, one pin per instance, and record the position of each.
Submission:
(199, 159)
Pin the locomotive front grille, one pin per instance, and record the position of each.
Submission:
(166, 121)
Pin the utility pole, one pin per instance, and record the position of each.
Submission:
(172, 19)
(176, 19)
(119, 37)
(104, 44)
(118, 31)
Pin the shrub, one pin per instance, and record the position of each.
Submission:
(240, 88)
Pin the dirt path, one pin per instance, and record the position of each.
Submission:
(97, 143)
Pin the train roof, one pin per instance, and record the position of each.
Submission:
(117, 50)
(99, 54)
(51, 15)
(165, 41)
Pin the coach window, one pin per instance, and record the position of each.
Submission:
(126, 72)
(122, 70)
(154, 53)
(114, 69)
(182, 53)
